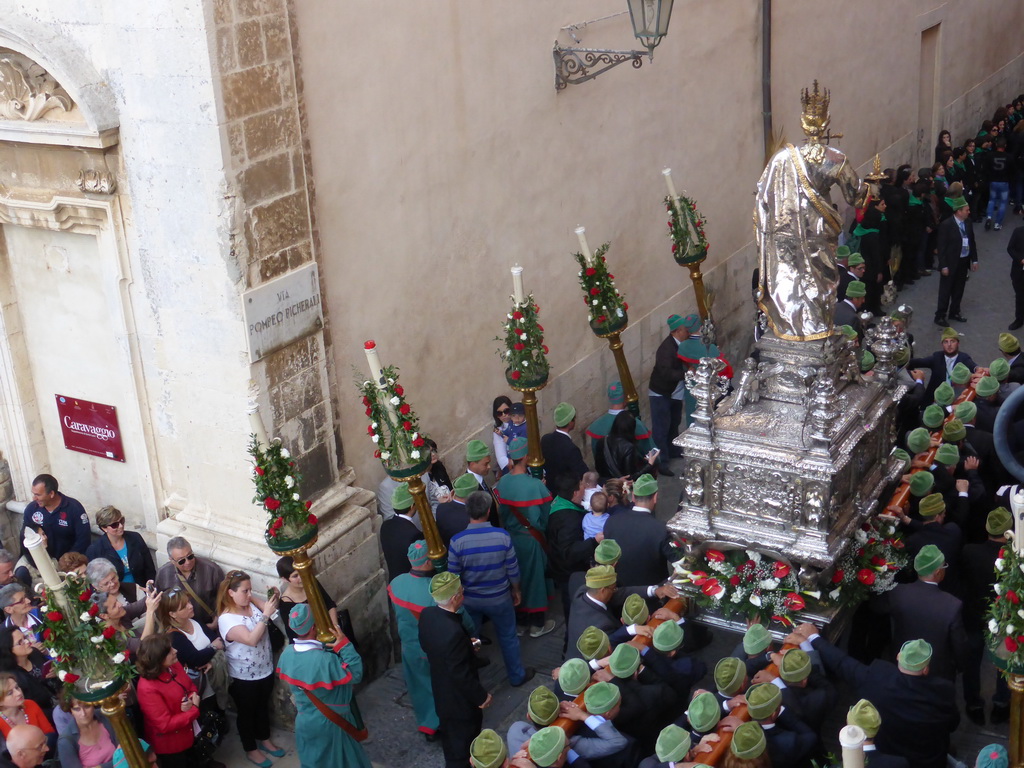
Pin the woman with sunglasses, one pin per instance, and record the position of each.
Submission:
(127, 550)
(17, 605)
(501, 412)
(29, 666)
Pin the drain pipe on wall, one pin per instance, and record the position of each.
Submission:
(766, 76)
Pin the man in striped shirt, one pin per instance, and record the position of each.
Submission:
(484, 558)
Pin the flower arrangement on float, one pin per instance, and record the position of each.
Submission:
(525, 354)
(277, 482)
(686, 229)
(1005, 625)
(870, 563)
(606, 309)
(394, 427)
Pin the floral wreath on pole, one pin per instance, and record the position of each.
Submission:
(605, 305)
(277, 489)
(689, 244)
(84, 651)
(525, 354)
(1005, 628)
(394, 428)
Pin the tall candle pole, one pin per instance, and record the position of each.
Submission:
(518, 294)
(36, 547)
(851, 739)
(581, 233)
(696, 276)
(667, 173)
(1017, 507)
(256, 425)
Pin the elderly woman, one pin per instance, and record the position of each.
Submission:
(102, 574)
(86, 737)
(18, 610)
(127, 551)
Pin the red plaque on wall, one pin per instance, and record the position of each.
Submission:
(90, 427)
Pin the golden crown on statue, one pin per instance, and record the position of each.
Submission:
(815, 115)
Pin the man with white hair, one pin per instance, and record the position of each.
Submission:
(27, 745)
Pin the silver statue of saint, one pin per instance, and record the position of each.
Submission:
(797, 230)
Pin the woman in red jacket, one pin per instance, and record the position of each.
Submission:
(169, 702)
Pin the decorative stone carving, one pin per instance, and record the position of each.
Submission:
(707, 385)
(27, 91)
(694, 482)
(96, 182)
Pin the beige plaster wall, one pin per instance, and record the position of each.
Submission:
(442, 154)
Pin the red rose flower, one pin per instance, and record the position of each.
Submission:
(273, 533)
(109, 632)
(670, 225)
(714, 556)
(369, 411)
(516, 375)
(1012, 596)
(369, 431)
(517, 315)
(541, 327)
(94, 609)
(55, 616)
(418, 442)
(519, 346)
(259, 471)
(311, 519)
(398, 390)
(625, 306)
(366, 400)
(376, 454)
(594, 291)
(85, 596)
(1011, 644)
(877, 560)
(545, 348)
(793, 602)
(750, 564)
(70, 677)
(601, 318)
(674, 247)
(780, 570)
(591, 271)
(309, 504)
(866, 576)
(47, 634)
(407, 426)
(734, 580)
(405, 409)
(1002, 553)
(837, 577)
(611, 277)
(271, 503)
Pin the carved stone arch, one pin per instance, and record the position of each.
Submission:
(59, 79)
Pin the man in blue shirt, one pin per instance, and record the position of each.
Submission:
(62, 518)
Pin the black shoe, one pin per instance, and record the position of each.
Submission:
(941, 322)
(486, 641)
(1015, 325)
(988, 224)
(530, 672)
(1000, 714)
(432, 737)
(976, 714)
(958, 317)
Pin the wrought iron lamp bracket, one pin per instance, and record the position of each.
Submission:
(577, 65)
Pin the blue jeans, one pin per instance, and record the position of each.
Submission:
(998, 194)
(503, 615)
(666, 414)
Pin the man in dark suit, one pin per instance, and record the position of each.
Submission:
(568, 551)
(452, 516)
(847, 309)
(664, 393)
(478, 464)
(1016, 250)
(644, 540)
(941, 363)
(399, 532)
(957, 255)
(458, 695)
(933, 529)
(918, 711)
(865, 716)
(1010, 347)
(854, 271)
(561, 456)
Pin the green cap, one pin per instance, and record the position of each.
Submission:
(730, 673)
(488, 750)
(645, 485)
(401, 499)
(947, 454)
(518, 448)
(593, 644)
(625, 660)
(960, 374)
(919, 440)
(856, 289)
(932, 505)
(944, 394)
(933, 416)
(864, 715)
(1008, 343)
(902, 356)
(616, 394)
(672, 745)
(914, 655)
(601, 576)
(987, 386)
(748, 742)
(564, 413)
(465, 485)
(957, 203)
(476, 450)
(999, 369)
(763, 700)
(848, 331)
(842, 252)
(966, 411)
(796, 666)
(855, 260)
(444, 586)
(601, 698)
(993, 756)
(546, 745)
(950, 333)
(675, 322)
(574, 676)
(928, 560)
(300, 620)
(417, 553)
(607, 552)
(704, 712)
(999, 521)
(542, 706)
(953, 431)
(635, 610)
(667, 636)
(756, 639)
(867, 361)
(921, 483)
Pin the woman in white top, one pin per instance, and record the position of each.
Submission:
(197, 649)
(242, 619)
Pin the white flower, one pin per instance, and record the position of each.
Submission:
(289, 481)
(860, 536)
(769, 583)
(619, 312)
(415, 454)
(507, 327)
(97, 639)
(373, 424)
(85, 616)
(816, 594)
(834, 594)
(61, 675)
(719, 594)
(396, 400)
(755, 556)
(53, 653)
(391, 381)
(594, 302)
(993, 626)
(1010, 629)
(415, 436)
(285, 454)
(525, 364)
(375, 438)
(755, 600)
(296, 497)
(997, 588)
(117, 658)
(1021, 613)
(509, 316)
(1021, 566)
(999, 564)
(385, 455)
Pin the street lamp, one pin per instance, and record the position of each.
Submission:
(650, 21)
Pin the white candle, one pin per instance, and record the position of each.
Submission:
(851, 739)
(667, 173)
(1017, 507)
(37, 549)
(376, 371)
(517, 286)
(256, 426)
(581, 234)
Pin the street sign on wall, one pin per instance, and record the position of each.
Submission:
(90, 427)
